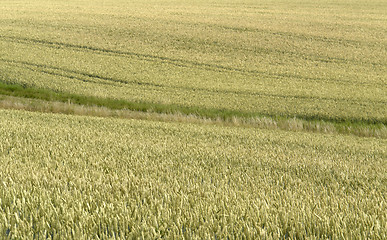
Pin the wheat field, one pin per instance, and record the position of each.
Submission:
(217, 119)
(85, 177)
(322, 59)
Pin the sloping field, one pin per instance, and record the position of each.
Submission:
(193, 81)
(83, 177)
(310, 59)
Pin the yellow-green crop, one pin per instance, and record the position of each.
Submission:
(85, 177)
(318, 63)
(321, 59)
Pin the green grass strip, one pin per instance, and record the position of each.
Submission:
(17, 90)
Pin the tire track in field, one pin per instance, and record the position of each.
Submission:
(41, 67)
(301, 36)
(116, 82)
(255, 50)
(287, 34)
(172, 61)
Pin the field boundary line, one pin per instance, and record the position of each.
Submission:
(367, 127)
(291, 124)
